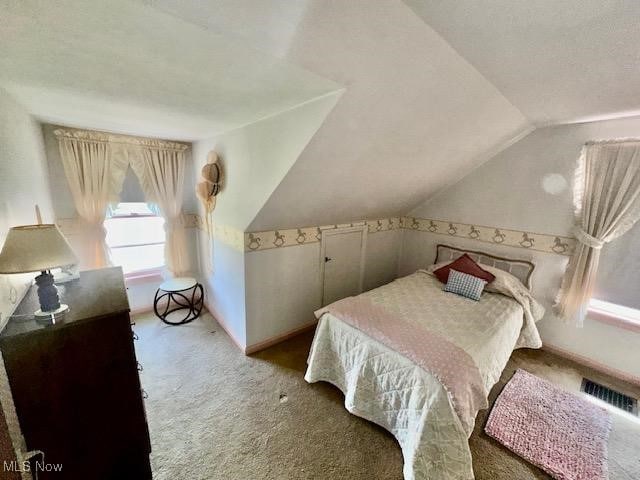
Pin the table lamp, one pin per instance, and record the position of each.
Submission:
(33, 248)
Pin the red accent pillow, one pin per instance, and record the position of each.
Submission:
(464, 264)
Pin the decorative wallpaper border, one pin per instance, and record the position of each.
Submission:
(498, 236)
(291, 237)
(223, 233)
(266, 240)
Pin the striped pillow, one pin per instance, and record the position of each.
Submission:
(465, 285)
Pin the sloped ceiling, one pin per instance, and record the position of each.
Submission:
(126, 67)
(256, 157)
(557, 61)
(432, 88)
(415, 115)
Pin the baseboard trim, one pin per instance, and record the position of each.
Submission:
(269, 342)
(619, 374)
(224, 326)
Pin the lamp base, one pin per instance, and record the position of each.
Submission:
(49, 318)
(48, 295)
(57, 311)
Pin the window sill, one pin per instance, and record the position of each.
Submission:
(146, 276)
(603, 314)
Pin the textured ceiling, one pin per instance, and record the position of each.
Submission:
(415, 116)
(557, 61)
(124, 66)
(432, 88)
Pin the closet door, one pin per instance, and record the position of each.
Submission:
(342, 260)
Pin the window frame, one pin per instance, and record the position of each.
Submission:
(139, 276)
(601, 312)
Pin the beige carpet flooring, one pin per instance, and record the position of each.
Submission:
(216, 414)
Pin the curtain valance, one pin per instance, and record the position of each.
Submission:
(112, 138)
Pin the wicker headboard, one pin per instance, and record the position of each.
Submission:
(521, 269)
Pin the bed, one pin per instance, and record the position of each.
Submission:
(420, 362)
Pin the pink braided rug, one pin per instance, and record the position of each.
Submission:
(561, 433)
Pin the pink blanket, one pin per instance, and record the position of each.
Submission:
(452, 366)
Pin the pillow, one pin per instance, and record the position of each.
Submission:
(464, 264)
(465, 285)
(504, 282)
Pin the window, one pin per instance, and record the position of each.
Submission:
(619, 311)
(614, 314)
(619, 270)
(615, 298)
(136, 238)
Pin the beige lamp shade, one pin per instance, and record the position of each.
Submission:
(34, 248)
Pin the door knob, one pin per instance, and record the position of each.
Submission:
(327, 259)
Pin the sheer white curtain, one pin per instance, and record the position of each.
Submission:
(161, 172)
(95, 177)
(607, 204)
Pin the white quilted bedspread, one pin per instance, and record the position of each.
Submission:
(386, 388)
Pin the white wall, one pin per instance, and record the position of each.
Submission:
(381, 258)
(225, 286)
(23, 183)
(284, 286)
(509, 192)
(254, 160)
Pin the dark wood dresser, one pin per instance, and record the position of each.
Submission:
(75, 384)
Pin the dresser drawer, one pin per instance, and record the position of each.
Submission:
(76, 388)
